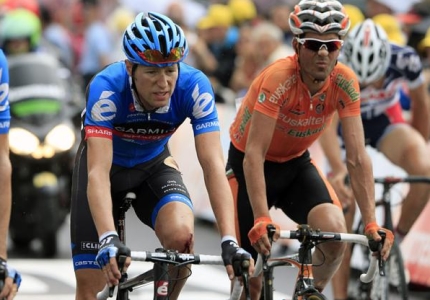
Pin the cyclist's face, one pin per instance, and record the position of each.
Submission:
(317, 64)
(155, 85)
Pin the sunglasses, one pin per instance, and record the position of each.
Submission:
(316, 45)
(156, 56)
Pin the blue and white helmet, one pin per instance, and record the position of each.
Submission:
(367, 51)
(157, 32)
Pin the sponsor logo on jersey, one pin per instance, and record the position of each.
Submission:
(311, 121)
(305, 133)
(282, 89)
(4, 92)
(104, 109)
(155, 130)
(319, 108)
(204, 104)
(245, 119)
(207, 125)
(5, 124)
(261, 97)
(348, 87)
(94, 131)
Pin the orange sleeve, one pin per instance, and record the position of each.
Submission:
(349, 92)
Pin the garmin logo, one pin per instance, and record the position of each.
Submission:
(207, 125)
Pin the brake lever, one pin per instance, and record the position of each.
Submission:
(376, 246)
(121, 262)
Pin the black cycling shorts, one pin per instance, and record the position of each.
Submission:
(295, 186)
(155, 184)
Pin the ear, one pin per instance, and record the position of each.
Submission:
(295, 45)
(129, 67)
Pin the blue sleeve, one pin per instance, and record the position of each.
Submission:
(4, 95)
(204, 115)
(102, 103)
(408, 63)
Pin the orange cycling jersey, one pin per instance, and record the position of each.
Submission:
(278, 92)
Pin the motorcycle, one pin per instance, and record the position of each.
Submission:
(43, 140)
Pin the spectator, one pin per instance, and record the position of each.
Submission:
(244, 11)
(355, 14)
(279, 15)
(376, 7)
(219, 36)
(247, 63)
(268, 40)
(98, 42)
(56, 33)
(392, 28)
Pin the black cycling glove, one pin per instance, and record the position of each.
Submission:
(233, 255)
(110, 246)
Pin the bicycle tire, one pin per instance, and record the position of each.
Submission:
(395, 271)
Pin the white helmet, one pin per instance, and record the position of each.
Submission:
(319, 16)
(367, 51)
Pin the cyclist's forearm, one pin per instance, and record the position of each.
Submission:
(5, 203)
(256, 186)
(99, 200)
(421, 110)
(362, 184)
(222, 204)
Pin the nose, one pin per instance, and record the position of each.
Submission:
(162, 80)
(323, 50)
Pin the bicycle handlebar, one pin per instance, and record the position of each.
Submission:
(398, 179)
(395, 179)
(326, 236)
(174, 258)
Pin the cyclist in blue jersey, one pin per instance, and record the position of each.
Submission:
(10, 279)
(133, 108)
(384, 69)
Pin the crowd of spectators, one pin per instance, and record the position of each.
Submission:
(230, 40)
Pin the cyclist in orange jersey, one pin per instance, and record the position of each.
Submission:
(286, 109)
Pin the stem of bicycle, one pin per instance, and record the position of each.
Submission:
(161, 281)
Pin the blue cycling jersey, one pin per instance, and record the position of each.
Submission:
(112, 111)
(4, 95)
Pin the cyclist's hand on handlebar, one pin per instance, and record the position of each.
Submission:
(371, 231)
(342, 188)
(234, 258)
(110, 250)
(258, 235)
(10, 280)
